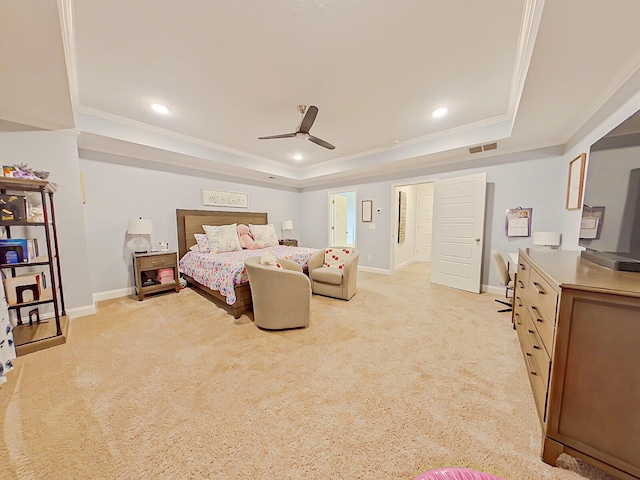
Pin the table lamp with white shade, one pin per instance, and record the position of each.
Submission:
(287, 226)
(139, 226)
(546, 239)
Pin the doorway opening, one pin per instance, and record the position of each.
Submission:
(342, 219)
(413, 205)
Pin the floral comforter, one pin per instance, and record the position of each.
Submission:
(222, 271)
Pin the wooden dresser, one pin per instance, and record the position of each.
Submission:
(579, 328)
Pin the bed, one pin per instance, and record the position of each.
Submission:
(222, 277)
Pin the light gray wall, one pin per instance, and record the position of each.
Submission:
(116, 192)
(93, 258)
(539, 184)
(57, 153)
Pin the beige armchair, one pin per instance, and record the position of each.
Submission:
(332, 281)
(281, 296)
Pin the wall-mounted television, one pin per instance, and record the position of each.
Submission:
(610, 227)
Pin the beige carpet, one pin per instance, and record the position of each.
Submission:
(405, 377)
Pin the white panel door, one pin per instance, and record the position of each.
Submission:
(458, 229)
(424, 222)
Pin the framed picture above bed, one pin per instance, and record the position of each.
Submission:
(222, 198)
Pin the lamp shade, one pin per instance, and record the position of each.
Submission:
(140, 226)
(550, 239)
(287, 225)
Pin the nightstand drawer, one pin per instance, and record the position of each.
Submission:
(152, 262)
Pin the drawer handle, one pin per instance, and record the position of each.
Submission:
(531, 332)
(531, 370)
(522, 267)
(538, 288)
(521, 284)
(518, 319)
(519, 301)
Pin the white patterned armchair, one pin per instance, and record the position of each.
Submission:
(334, 272)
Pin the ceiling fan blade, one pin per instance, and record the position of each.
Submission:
(308, 119)
(284, 135)
(322, 143)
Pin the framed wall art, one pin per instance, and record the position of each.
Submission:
(576, 181)
(222, 198)
(367, 210)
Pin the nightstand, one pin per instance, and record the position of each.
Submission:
(145, 270)
(289, 242)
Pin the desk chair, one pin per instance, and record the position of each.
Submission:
(505, 279)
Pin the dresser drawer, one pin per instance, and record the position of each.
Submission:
(539, 352)
(542, 295)
(538, 387)
(522, 275)
(153, 262)
(540, 300)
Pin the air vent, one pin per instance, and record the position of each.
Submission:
(480, 148)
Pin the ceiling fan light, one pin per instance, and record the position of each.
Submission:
(302, 136)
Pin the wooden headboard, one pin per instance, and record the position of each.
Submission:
(191, 221)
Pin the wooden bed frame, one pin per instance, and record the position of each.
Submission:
(190, 222)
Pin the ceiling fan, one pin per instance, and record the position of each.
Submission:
(302, 132)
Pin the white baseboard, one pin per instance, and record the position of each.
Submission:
(81, 311)
(404, 264)
(492, 289)
(109, 294)
(379, 271)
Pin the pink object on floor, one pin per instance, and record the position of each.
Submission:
(456, 474)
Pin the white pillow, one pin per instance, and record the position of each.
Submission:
(267, 259)
(223, 238)
(265, 234)
(194, 248)
(336, 257)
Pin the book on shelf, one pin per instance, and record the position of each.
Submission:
(18, 250)
(30, 287)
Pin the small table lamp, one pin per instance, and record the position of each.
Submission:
(139, 226)
(546, 239)
(287, 226)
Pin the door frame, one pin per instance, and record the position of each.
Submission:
(395, 217)
(353, 190)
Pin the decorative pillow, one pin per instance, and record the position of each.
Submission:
(203, 242)
(194, 248)
(265, 234)
(223, 238)
(267, 259)
(335, 257)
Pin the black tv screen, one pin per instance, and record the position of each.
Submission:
(610, 227)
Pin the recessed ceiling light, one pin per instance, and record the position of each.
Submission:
(297, 156)
(440, 112)
(159, 108)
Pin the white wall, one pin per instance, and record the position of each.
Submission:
(116, 192)
(57, 153)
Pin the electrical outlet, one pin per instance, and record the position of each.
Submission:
(368, 257)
